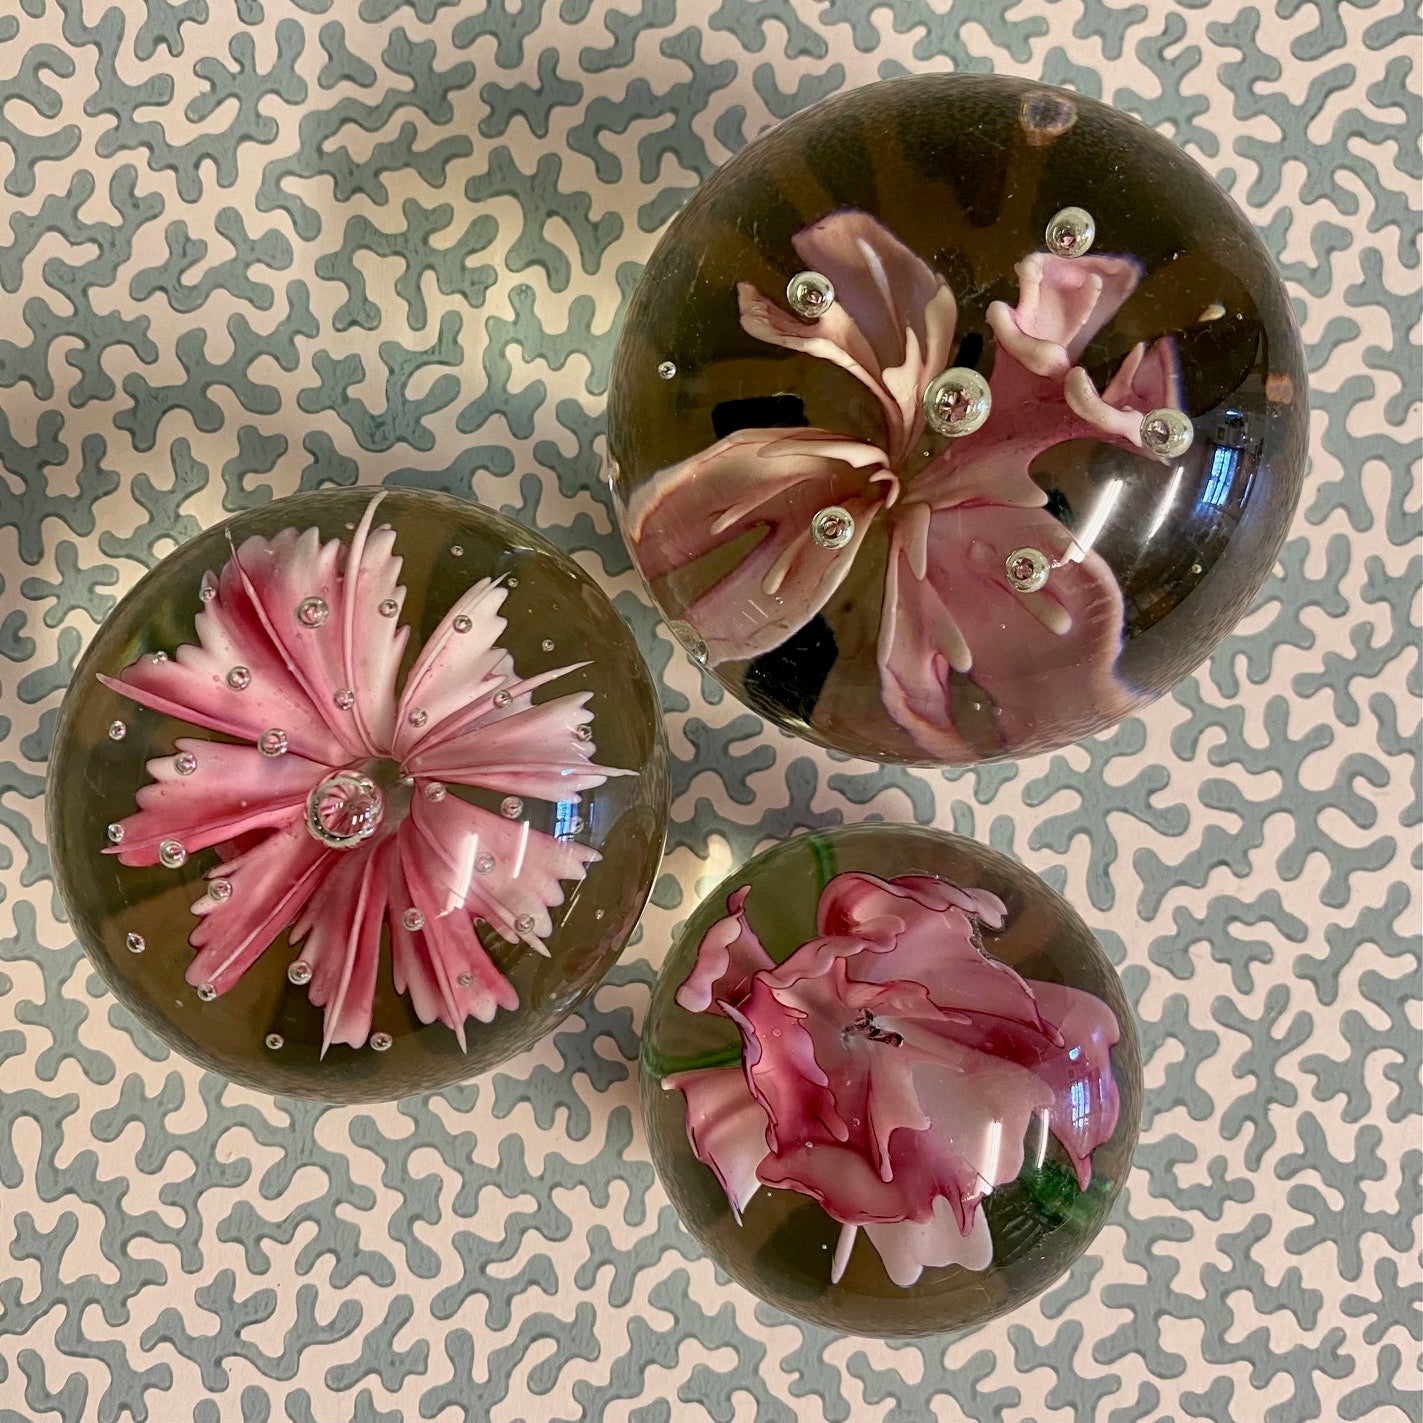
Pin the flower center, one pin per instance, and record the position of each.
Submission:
(865, 1027)
(345, 809)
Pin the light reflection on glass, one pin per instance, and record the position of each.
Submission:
(1167, 500)
(1091, 531)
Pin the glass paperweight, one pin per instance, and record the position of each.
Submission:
(358, 794)
(890, 1081)
(955, 419)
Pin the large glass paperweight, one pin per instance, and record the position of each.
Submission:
(955, 419)
(890, 1080)
(358, 794)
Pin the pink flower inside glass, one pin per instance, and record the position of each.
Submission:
(987, 605)
(333, 806)
(891, 1070)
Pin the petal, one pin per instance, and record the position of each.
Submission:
(442, 850)
(278, 576)
(457, 965)
(779, 1060)
(892, 324)
(454, 668)
(1086, 1102)
(232, 633)
(535, 751)
(339, 931)
(1063, 302)
(727, 958)
(751, 481)
(910, 1247)
(726, 1127)
(372, 644)
(234, 790)
(271, 883)
(1046, 660)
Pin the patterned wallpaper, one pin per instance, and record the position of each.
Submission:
(252, 246)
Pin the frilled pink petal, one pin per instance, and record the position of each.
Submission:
(231, 791)
(460, 664)
(501, 871)
(271, 883)
(727, 958)
(726, 1126)
(533, 751)
(752, 481)
(908, 1248)
(339, 932)
(779, 1059)
(1085, 1098)
(1045, 660)
(892, 323)
(456, 977)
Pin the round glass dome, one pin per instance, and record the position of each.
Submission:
(955, 419)
(358, 794)
(890, 1080)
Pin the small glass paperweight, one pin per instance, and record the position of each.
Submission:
(890, 1080)
(358, 794)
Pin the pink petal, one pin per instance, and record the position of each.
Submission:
(1063, 302)
(726, 1126)
(534, 751)
(779, 1060)
(1086, 1102)
(892, 324)
(234, 790)
(442, 845)
(372, 644)
(192, 684)
(271, 883)
(727, 958)
(1046, 660)
(449, 951)
(910, 1247)
(754, 480)
(278, 576)
(339, 932)
(455, 669)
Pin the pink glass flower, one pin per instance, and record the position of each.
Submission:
(329, 806)
(891, 1070)
(951, 522)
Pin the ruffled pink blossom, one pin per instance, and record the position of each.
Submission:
(948, 607)
(891, 1070)
(330, 808)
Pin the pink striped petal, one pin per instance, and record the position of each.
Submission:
(233, 790)
(531, 751)
(728, 957)
(458, 980)
(764, 486)
(339, 933)
(726, 1126)
(455, 668)
(892, 324)
(447, 841)
(372, 644)
(281, 575)
(271, 883)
